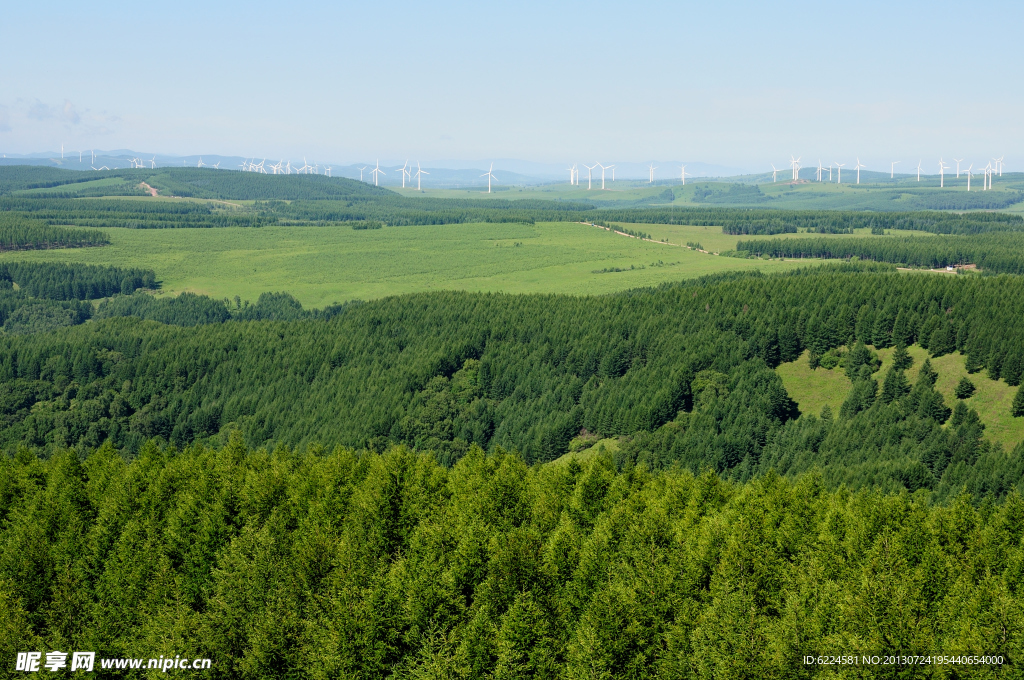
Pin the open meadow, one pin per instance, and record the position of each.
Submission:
(322, 265)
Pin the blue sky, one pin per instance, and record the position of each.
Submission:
(739, 84)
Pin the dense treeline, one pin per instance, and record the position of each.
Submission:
(341, 564)
(742, 221)
(20, 233)
(690, 364)
(60, 281)
(992, 252)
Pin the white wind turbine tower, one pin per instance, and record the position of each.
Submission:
(682, 174)
(590, 169)
(572, 170)
(839, 173)
(489, 177)
(152, 163)
(376, 172)
(603, 168)
(328, 170)
(419, 176)
(999, 163)
(988, 177)
(830, 172)
(958, 162)
(244, 165)
(652, 169)
(820, 170)
(361, 173)
(405, 172)
(919, 171)
(942, 177)
(775, 171)
(968, 172)
(892, 169)
(200, 163)
(795, 164)
(859, 166)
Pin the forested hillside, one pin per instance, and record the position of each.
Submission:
(346, 565)
(315, 199)
(688, 364)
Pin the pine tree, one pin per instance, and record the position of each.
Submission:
(964, 389)
(901, 358)
(894, 386)
(927, 373)
(1017, 409)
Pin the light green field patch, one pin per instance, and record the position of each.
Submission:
(321, 265)
(80, 186)
(992, 399)
(607, 445)
(813, 390)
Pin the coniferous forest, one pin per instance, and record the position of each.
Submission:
(385, 488)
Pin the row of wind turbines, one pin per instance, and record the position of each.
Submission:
(990, 171)
(574, 174)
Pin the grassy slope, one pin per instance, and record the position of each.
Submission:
(320, 265)
(813, 389)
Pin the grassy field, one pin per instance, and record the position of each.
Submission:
(321, 265)
(812, 390)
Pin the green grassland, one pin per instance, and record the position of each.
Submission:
(321, 265)
(812, 390)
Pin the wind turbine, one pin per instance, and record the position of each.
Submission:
(942, 177)
(999, 162)
(244, 165)
(682, 171)
(198, 165)
(968, 171)
(376, 172)
(361, 173)
(603, 168)
(572, 170)
(795, 164)
(820, 169)
(839, 173)
(79, 156)
(919, 171)
(216, 166)
(590, 169)
(958, 162)
(328, 168)
(419, 176)
(892, 170)
(859, 166)
(405, 172)
(489, 177)
(652, 168)
(775, 171)
(152, 163)
(94, 156)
